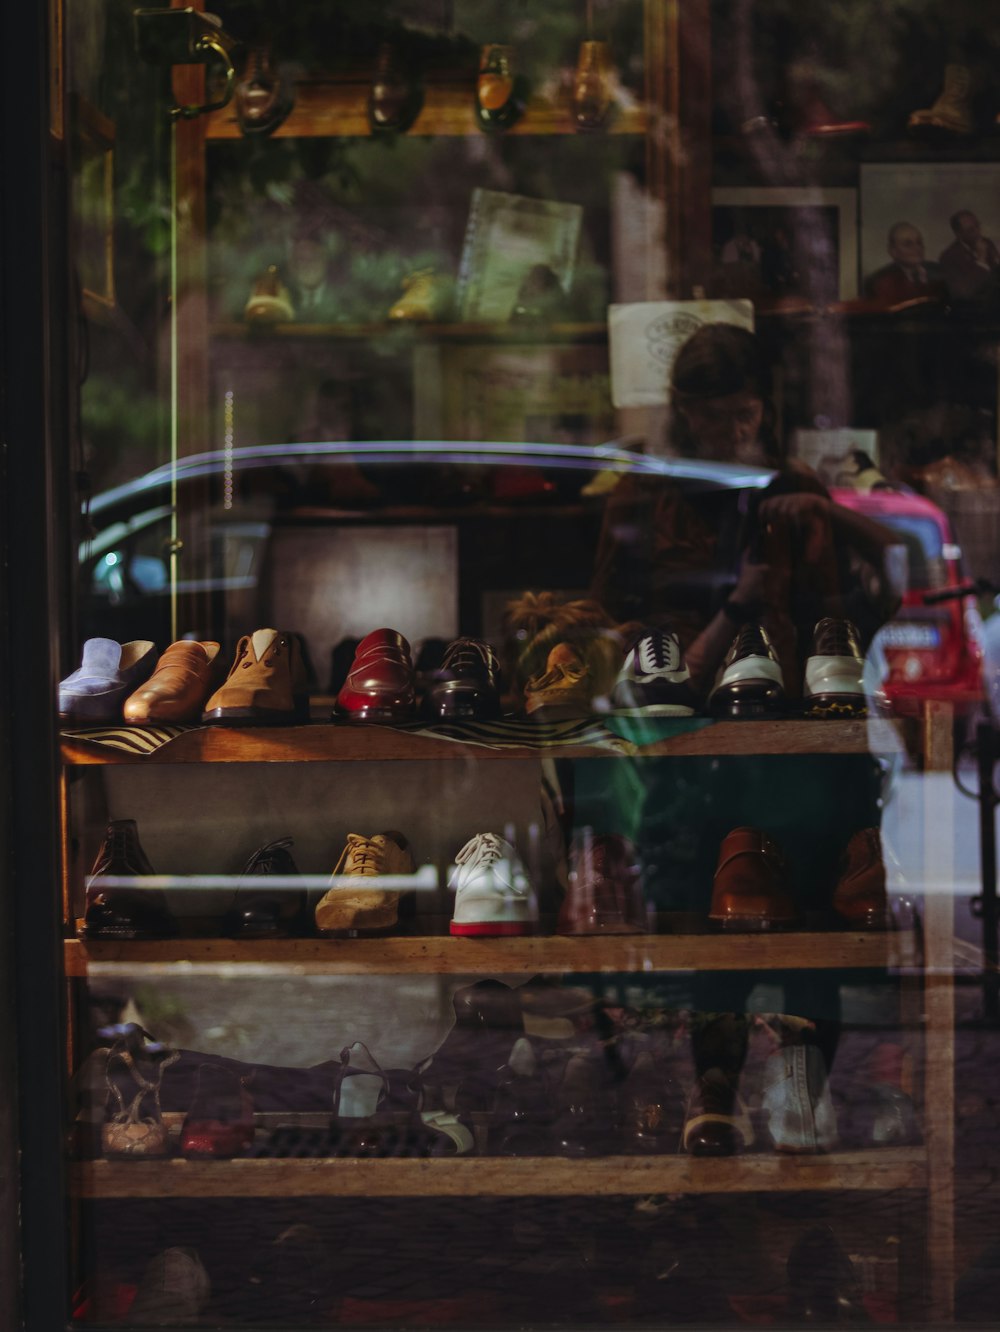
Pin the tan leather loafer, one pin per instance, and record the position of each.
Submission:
(266, 684)
(177, 689)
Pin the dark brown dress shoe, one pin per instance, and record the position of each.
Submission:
(750, 889)
(717, 1122)
(264, 95)
(467, 683)
(124, 912)
(605, 890)
(591, 100)
(396, 95)
(859, 898)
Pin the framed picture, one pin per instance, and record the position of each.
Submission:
(938, 216)
(792, 243)
(506, 237)
(645, 337)
(94, 201)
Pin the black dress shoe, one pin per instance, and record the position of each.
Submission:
(751, 683)
(468, 684)
(396, 95)
(123, 911)
(271, 911)
(264, 95)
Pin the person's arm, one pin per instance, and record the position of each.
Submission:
(745, 603)
(868, 537)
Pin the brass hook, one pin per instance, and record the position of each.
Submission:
(208, 43)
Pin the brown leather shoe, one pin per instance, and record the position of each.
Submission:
(396, 97)
(266, 685)
(605, 893)
(177, 689)
(264, 96)
(750, 888)
(859, 898)
(380, 684)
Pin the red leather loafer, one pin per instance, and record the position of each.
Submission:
(380, 684)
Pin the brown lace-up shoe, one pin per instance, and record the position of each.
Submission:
(177, 689)
(349, 909)
(605, 894)
(380, 684)
(266, 684)
(750, 888)
(859, 898)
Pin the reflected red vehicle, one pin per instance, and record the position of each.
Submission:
(932, 652)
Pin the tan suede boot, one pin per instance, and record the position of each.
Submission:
(952, 112)
(266, 684)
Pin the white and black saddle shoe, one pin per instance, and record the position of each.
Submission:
(750, 683)
(833, 685)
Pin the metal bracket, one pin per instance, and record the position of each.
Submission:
(168, 37)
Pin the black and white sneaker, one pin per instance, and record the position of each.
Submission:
(654, 679)
(751, 683)
(834, 673)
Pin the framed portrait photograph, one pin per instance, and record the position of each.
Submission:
(931, 229)
(769, 244)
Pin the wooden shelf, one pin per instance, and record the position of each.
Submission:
(407, 332)
(445, 955)
(336, 110)
(511, 1177)
(337, 742)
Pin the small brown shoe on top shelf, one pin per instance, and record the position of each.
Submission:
(396, 95)
(264, 96)
(266, 685)
(605, 888)
(859, 898)
(716, 1122)
(381, 684)
(591, 98)
(750, 889)
(425, 298)
(269, 301)
(178, 687)
(951, 116)
(500, 92)
(357, 906)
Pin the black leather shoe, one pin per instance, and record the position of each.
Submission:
(396, 95)
(468, 684)
(751, 683)
(274, 910)
(124, 912)
(716, 1122)
(264, 96)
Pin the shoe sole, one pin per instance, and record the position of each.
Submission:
(494, 928)
(752, 924)
(836, 705)
(653, 710)
(256, 716)
(375, 714)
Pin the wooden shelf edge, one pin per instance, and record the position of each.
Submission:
(339, 110)
(886, 1169)
(334, 743)
(496, 957)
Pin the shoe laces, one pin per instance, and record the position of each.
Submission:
(469, 652)
(362, 856)
(484, 851)
(268, 860)
(751, 641)
(657, 652)
(836, 638)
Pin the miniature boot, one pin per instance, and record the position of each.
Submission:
(952, 113)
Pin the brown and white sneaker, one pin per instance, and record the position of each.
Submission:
(266, 685)
(354, 905)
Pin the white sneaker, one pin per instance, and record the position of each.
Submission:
(492, 892)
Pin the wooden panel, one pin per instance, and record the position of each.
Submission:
(497, 957)
(331, 110)
(340, 743)
(893, 1168)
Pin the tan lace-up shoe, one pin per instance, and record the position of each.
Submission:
(351, 908)
(266, 684)
(177, 689)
